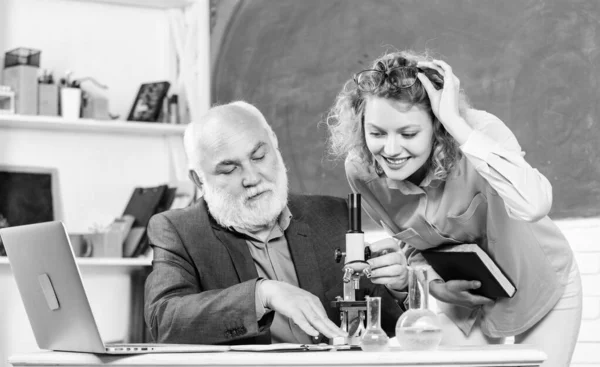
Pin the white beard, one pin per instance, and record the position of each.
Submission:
(238, 212)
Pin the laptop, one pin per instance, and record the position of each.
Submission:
(52, 291)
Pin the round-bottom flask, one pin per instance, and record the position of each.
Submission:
(418, 328)
(374, 339)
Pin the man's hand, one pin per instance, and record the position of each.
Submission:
(457, 292)
(302, 307)
(388, 264)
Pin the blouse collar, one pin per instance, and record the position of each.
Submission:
(409, 188)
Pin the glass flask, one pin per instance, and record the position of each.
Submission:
(374, 339)
(418, 328)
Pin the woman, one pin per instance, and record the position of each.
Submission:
(433, 171)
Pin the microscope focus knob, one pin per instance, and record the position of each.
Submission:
(367, 252)
(338, 255)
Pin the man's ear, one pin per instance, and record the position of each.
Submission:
(274, 140)
(196, 180)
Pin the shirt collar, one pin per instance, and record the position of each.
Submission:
(409, 188)
(285, 218)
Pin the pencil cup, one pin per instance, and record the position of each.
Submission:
(70, 103)
(80, 244)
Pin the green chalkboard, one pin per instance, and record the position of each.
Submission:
(534, 64)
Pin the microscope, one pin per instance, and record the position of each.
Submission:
(352, 311)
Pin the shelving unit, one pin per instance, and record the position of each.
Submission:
(159, 4)
(130, 262)
(88, 125)
(99, 162)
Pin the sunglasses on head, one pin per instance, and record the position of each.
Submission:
(399, 77)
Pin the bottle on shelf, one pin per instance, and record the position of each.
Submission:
(173, 109)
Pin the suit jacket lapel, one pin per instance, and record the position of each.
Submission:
(301, 241)
(239, 252)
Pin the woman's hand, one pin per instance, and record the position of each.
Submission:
(444, 102)
(457, 292)
(388, 264)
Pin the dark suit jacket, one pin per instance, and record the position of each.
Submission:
(201, 288)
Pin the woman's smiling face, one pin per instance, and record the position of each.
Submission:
(400, 137)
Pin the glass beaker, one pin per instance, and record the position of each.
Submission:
(418, 328)
(374, 339)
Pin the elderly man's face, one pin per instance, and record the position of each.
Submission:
(244, 178)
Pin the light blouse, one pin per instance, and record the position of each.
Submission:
(493, 198)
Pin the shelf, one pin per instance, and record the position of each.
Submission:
(92, 126)
(129, 262)
(159, 4)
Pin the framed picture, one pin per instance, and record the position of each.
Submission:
(148, 102)
(28, 195)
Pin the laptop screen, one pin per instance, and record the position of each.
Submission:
(50, 285)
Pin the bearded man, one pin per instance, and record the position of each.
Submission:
(247, 264)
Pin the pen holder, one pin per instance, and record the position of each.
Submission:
(47, 99)
(80, 244)
(70, 103)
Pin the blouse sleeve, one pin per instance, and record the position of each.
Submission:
(497, 156)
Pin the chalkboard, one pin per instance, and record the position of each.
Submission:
(534, 64)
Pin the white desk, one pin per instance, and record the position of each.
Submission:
(494, 355)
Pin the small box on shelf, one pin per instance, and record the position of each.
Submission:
(22, 56)
(7, 100)
(47, 99)
(20, 73)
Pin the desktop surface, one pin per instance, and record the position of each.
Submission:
(492, 355)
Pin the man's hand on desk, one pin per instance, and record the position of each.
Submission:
(457, 292)
(302, 307)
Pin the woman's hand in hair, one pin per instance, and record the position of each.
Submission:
(444, 102)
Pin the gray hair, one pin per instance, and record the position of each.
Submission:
(193, 132)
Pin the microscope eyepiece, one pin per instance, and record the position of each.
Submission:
(354, 222)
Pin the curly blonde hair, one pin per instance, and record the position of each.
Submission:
(345, 120)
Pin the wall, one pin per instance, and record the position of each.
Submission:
(583, 235)
(121, 46)
(534, 64)
(3, 17)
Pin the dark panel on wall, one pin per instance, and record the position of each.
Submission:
(26, 198)
(534, 64)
